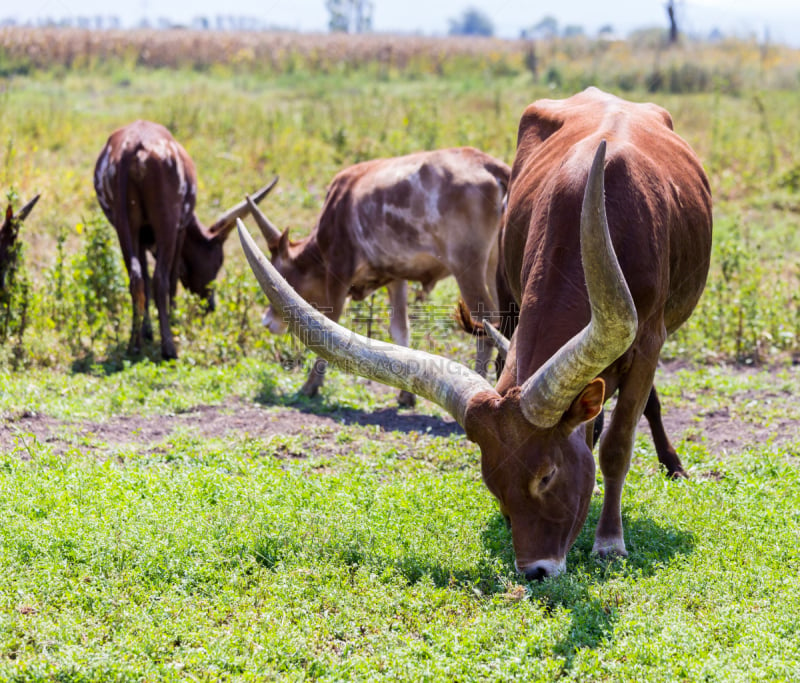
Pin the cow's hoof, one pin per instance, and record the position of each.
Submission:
(677, 474)
(609, 548)
(406, 399)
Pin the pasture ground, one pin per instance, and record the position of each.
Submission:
(177, 523)
(197, 520)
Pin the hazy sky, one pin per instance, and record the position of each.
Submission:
(780, 17)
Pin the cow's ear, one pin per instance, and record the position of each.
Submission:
(588, 404)
(283, 244)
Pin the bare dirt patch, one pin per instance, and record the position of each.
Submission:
(237, 418)
(719, 425)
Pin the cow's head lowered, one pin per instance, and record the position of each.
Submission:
(8, 235)
(535, 457)
(300, 267)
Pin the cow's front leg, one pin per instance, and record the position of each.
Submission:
(399, 328)
(315, 378)
(616, 449)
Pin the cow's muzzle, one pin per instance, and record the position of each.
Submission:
(274, 323)
(542, 569)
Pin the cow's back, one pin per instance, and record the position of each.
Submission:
(411, 217)
(154, 171)
(658, 204)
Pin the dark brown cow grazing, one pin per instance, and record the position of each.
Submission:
(147, 185)
(609, 234)
(418, 217)
(8, 236)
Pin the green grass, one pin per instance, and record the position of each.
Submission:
(249, 558)
(243, 128)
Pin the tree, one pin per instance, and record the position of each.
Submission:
(472, 22)
(573, 30)
(350, 16)
(546, 28)
(673, 24)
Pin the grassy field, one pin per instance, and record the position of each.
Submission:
(198, 520)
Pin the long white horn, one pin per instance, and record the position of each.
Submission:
(546, 395)
(225, 223)
(445, 382)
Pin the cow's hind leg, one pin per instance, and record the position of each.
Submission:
(478, 298)
(132, 254)
(667, 455)
(616, 449)
(138, 293)
(399, 328)
(147, 326)
(166, 260)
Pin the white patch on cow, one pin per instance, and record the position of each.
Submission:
(380, 241)
(180, 169)
(162, 149)
(102, 178)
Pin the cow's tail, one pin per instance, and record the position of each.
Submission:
(119, 212)
(122, 224)
(466, 322)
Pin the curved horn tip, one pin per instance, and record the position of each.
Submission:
(498, 339)
(271, 233)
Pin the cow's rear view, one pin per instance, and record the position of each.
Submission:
(146, 184)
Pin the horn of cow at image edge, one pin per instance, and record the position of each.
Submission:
(547, 395)
(271, 233)
(447, 383)
(25, 210)
(227, 221)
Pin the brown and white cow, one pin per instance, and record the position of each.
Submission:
(146, 184)
(419, 217)
(609, 234)
(8, 236)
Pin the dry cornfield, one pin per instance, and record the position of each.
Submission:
(642, 62)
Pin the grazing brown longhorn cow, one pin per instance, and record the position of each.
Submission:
(146, 184)
(509, 318)
(601, 280)
(418, 217)
(8, 236)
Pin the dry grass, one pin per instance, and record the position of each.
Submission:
(642, 63)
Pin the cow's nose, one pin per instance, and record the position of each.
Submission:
(543, 569)
(536, 574)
